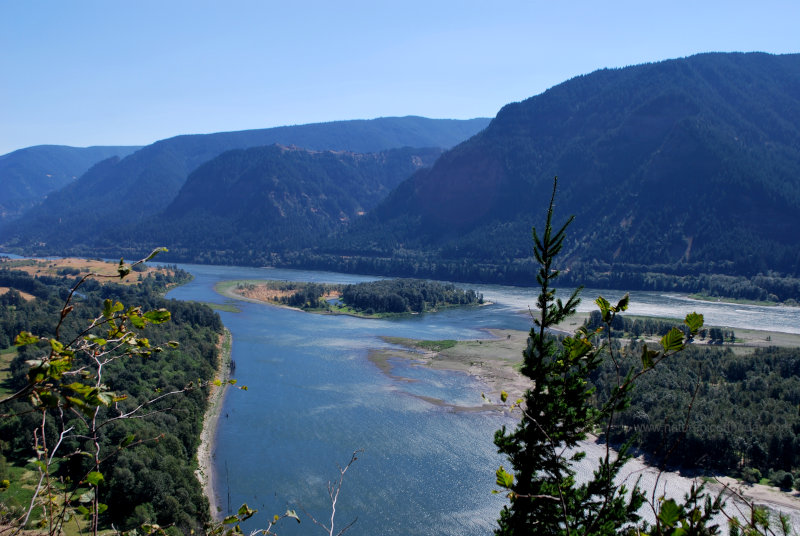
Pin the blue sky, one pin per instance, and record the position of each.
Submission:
(132, 72)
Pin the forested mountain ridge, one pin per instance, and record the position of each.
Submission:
(683, 166)
(28, 175)
(141, 185)
(275, 197)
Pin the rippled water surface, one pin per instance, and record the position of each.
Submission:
(314, 398)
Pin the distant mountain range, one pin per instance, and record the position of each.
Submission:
(88, 212)
(683, 166)
(28, 175)
(680, 168)
(277, 197)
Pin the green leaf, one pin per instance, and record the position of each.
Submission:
(155, 252)
(503, 396)
(57, 367)
(230, 519)
(38, 370)
(137, 321)
(123, 270)
(94, 339)
(79, 388)
(94, 478)
(109, 308)
(605, 308)
(647, 357)
(48, 399)
(577, 347)
(86, 497)
(504, 478)
(57, 346)
(694, 321)
(292, 514)
(622, 305)
(104, 398)
(158, 316)
(670, 513)
(672, 341)
(127, 441)
(24, 338)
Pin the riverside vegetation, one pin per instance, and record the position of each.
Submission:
(72, 421)
(745, 405)
(373, 299)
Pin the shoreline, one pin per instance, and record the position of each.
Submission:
(494, 362)
(228, 289)
(495, 367)
(205, 450)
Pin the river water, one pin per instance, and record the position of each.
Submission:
(314, 398)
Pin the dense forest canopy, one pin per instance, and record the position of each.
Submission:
(743, 419)
(153, 480)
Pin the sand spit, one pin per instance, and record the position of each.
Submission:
(205, 451)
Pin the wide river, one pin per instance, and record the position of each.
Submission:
(314, 398)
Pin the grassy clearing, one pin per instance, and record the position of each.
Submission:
(226, 307)
(6, 357)
(73, 267)
(17, 497)
(436, 346)
(433, 346)
(25, 295)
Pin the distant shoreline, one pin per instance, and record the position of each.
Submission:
(205, 450)
(261, 294)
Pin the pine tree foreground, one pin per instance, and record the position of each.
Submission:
(558, 413)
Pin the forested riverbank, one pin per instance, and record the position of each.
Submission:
(150, 477)
(370, 299)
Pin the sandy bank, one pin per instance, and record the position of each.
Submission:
(496, 361)
(205, 451)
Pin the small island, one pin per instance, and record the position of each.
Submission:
(373, 299)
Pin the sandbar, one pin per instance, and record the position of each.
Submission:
(205, 451)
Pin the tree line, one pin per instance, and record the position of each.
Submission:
(406, 295)
(742, 410)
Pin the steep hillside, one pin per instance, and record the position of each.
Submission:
(244, 203)
(91, 210)
(683, 166)
(28, 175)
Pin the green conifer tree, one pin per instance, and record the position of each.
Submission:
(557, 414)
(560, 409)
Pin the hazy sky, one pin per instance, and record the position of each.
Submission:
(131, 72)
